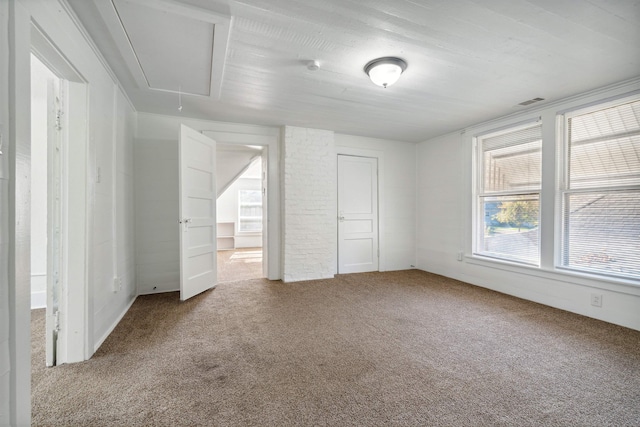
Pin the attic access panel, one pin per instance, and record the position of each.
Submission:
(174, 51)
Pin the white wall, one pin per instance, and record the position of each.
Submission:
(444, 225)
(397, 195)
(156, 181)
(114, 219)
(157, 193)
(309, 171)
(310, 191)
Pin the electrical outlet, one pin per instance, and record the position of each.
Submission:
(460, 254)
(596, 300)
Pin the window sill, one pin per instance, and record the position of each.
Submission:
(627, 286)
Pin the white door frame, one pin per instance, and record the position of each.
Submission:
(19, 37)
(74, 336)
(379, 155)
(55, 210)
(270, 232)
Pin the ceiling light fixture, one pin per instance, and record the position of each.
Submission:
(385, 71)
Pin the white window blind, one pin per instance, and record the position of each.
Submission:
(250, 211)
(601, 191)
(508, 194)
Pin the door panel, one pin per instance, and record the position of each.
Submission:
(198, 262)
(357, 214)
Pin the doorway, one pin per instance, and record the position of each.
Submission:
(59, 144)
(241, 211)
(46, 202)
(358, 242)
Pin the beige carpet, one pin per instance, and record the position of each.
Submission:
(239, 264)
(399, 348)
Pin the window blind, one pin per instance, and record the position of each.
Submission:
(512, 161)
(601, 201)
(509, 194)
(604, 147)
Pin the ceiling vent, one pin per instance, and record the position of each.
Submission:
(531, 101)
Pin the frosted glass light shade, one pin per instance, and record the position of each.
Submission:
(385, 71)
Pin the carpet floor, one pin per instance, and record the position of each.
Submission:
(396, 348)
(239, 264)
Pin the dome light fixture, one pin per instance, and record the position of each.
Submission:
(385, 71)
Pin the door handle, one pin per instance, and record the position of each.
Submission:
(340, 218)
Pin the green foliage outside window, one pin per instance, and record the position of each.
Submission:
(518, 213)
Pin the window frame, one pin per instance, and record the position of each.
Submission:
(563, 182)
(479, 193)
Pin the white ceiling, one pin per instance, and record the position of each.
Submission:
(469, 60)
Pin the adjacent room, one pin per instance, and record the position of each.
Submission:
(238, 212)
(239, 207)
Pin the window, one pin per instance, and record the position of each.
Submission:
(508, 194)
(250, 211)
(600, 190)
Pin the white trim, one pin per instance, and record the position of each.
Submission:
(74, 284)
(379, 155)
(590, 107)
(16, 170)
(114, 192)
(520, 125)
(576, 278)
(113, 326)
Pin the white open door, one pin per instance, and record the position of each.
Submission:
(197, 210)
(357, 214)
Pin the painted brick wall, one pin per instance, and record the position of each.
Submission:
(308, 204)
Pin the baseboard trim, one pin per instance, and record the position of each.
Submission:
(106, 335)
(159, 291)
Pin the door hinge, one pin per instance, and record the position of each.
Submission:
(59, 114)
